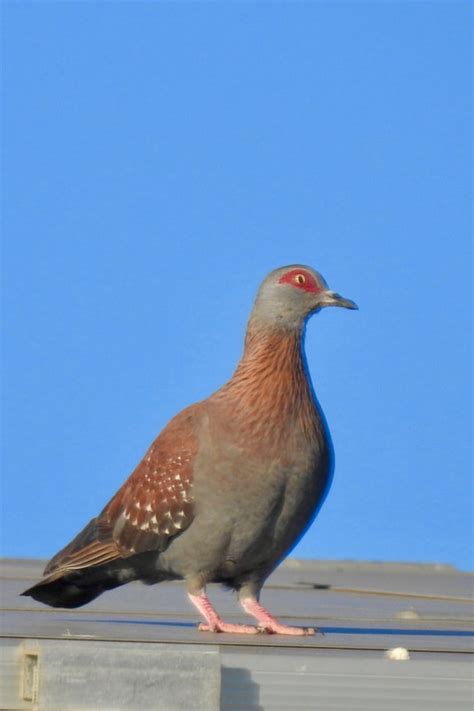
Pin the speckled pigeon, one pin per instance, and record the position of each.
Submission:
(230, 484)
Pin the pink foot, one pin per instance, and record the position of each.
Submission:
(213, 621)
(221, 626)
(267, 623)
(277, 628)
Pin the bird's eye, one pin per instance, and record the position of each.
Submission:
(300, 279)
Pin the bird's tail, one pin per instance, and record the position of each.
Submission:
(78, 587)
(84, 569)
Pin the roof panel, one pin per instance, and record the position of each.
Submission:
(362, 609)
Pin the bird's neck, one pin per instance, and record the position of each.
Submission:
(271, 352)
(270, 387)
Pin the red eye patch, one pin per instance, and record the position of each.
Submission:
(301, 279)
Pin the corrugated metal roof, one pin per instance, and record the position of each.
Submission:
(362, 609)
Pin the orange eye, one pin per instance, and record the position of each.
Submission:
(300, 279)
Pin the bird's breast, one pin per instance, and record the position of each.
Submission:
(258, 496)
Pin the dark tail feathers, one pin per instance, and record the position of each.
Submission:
(79, 587)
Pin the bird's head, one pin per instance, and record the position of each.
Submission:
(289, 295)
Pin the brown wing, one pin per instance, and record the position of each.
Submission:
(92, 546)
(154, 504)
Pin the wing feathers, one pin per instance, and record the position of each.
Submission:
(153, 505)
(156, 502)
(92, 555)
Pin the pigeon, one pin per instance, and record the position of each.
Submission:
(229, 486)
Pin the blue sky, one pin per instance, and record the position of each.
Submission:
(159, 160)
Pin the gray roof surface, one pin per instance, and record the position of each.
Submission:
(361, 608)
(353, 603)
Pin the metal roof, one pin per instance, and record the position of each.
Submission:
(138, 647)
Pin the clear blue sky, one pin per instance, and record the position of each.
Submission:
(159, 160)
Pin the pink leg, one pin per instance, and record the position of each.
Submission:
(213, 621)
(266, 621)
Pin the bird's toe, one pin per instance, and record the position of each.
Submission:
(227, 627)
(278, 628)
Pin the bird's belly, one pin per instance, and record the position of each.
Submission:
(247, 516)
(278, 526)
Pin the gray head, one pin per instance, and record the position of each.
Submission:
(289, 295)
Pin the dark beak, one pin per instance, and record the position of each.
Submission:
(331, 298)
